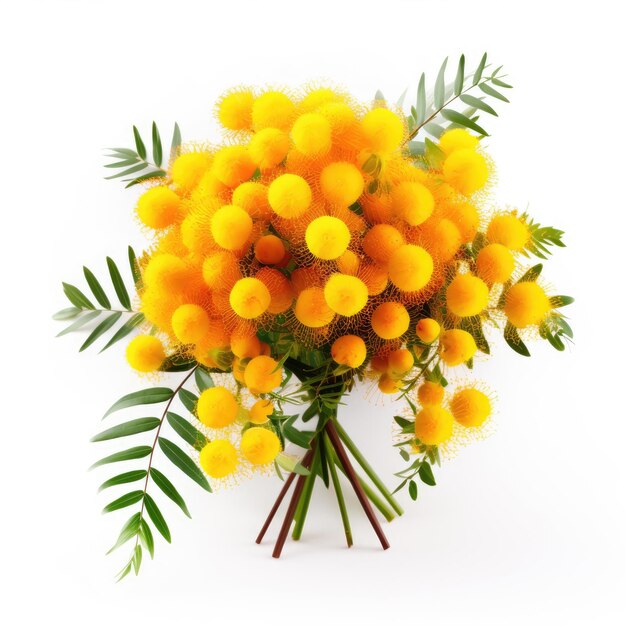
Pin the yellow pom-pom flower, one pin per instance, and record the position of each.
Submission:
(467, 295)
(312, 134)
(410, 268)
(427, 329)
(269, 147)
(349, 350)
(389, 385)
(430, 393)
(400, 362)
(252, 197)
(526, 304)
(381, 241)
(327, 237)
(457, 139)
(165, 271)
(289, 195)
(244, 343)
(259, 445)
(442, 238)
(269, 249)
(341, 183)
(390, 320)
(263, 375)
(159, 207)
(466, 171)
(235, 110)
(495, 263)
(249, 297)
(231, 227)
(145, 353)
(383, 130)
(311, 308)
(345, 294)
(470, 407)
(433, 425)
(218, 458)
(190, 323)
(273, 109)
(456, 346)
(188, 169)
(260, 411)
(220, 268)
(233, 165)
(509, 231)
(413, 202)
(217, 407)
(348, 263)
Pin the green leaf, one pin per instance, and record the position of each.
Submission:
(478, 103)
(125, 329)
(138, 452)
(129, 530)
(203, 379)
(141, 148)
(426, 474)
(183, 462)
(460, 76)
(157, 518)
(66, 314)
(436, 130)
(164, 484)
(566, 329)
(405, 455)
(294, 435)
(440, 87)
(130, 170)
(126, 500)
(379, 95)
(118, 284)
(531, 275)
(187, 431)
(290, 463)
(133, 427)
(96, 288)
(144, 177)
(501, 83)
(434, 154)
(479, 70)
(137, 559)
(558, 301)
(81, 321)
(420, 106)
(123, 572)
(123, 163)
(100, 329)
(122, 479)
(124, 152)
(462, 120)
(134, 266)
(189, 400)
(152, 395)
(413, 489)
(157, 147)
(490, 91)
(177, 363)
(311, 411)
(403, 422)
(511, 336)
(176, 141)
(146, 537)
(77, 297)
(555, 342)
(473, 325)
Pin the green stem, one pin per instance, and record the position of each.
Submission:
(332, 468)
(305, 498)
(368, 469)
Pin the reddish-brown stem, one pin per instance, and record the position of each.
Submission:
(354, 481)
(283, 492)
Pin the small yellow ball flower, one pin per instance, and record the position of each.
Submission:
(217, 407)
(311, 308)
(319, 97)
(345, 294)
(269, 249)
(381, 241)
(312, 134)
(456, 346)
(375, 278)
(231, 227)
(410, 268)
(466, 218)
(281, 290)
(249, 297)
(244, 343)
(259, 445)
(263, 375)
(327, 237)
(190, 323)
(495, 263)
(427, 329)
(188, 169)
(349, 350)
(400, 362)
(526, 304)
(430, 394)
(457, 139)
(433, 425)
(273, 110)
(509, 231)
(341, 183)
(390, 320)
(383, 130)
(235, 110)
(348, 263)
(218, 458)
(260, 411)
(145, 353)
(443, 239)
(165, 271)
(252, 197)
(289, 195)
(159, 207)
(467, 295)
(233, 165)
(470, 407)
(219, 268)
(269, 147)
(413, 202)
(389, 385)
(466, 171)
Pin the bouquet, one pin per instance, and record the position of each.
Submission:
(324, 243)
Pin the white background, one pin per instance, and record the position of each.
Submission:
(527, 526)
